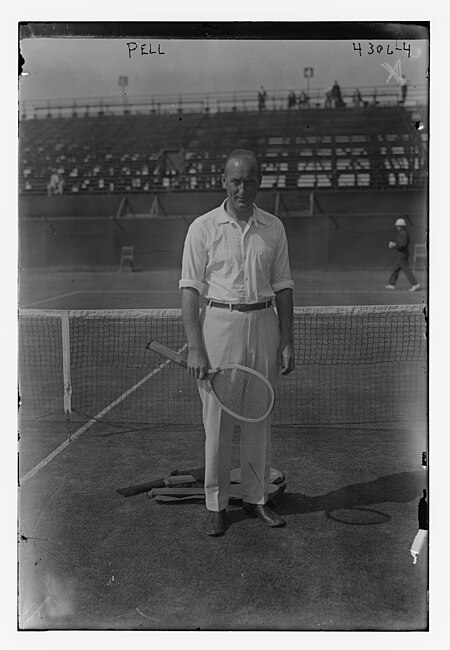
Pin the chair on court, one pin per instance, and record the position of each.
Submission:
(127, 258)
(420, 253)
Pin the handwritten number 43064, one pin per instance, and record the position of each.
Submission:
(388, 49)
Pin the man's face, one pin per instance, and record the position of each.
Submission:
(241, 181)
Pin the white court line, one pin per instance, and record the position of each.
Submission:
(176, 291)
(61, 295)
(128, 291)
(93, 420)
(386, 292)
(82, 291)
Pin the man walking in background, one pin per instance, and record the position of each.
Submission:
(236, 257)
(401, 245)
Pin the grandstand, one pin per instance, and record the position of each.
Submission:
(376, 146)
(368, 162)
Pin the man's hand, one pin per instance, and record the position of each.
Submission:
(392, 244)
(197, 363)
(286, 358)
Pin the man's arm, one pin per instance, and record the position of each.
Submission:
(197, 359)
(285, 309)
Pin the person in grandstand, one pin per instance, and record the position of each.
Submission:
(303, 100)
(262, 96)
(357, 98)
(401, 245)
(55, 184)
(336, 96)
(236, 258)
(403, 89)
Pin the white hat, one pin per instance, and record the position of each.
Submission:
(400, 222)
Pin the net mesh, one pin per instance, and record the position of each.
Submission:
(242, 392)
(353, 365)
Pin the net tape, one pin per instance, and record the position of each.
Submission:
(353, 364)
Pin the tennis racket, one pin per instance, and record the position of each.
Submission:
(242, 392)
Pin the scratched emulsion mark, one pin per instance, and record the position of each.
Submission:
(56, 603)
(395, 72)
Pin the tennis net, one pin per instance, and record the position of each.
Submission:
(353, 365)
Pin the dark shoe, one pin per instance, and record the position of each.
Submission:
(263, 512)
(216, 523)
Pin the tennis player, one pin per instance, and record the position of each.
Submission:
(236, 258)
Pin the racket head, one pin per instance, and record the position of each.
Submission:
(242, 392)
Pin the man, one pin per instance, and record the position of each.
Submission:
(236, 258)
(401, 245)
(262, 95)
(403, 89)
(336, 96)
(55, 184)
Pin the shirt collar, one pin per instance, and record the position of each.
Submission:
(256, 217)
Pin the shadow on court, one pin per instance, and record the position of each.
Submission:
(395, 488)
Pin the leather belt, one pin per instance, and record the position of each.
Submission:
(240, 306)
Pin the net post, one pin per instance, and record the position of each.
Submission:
(66, 362)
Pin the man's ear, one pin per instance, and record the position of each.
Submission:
(223, 181)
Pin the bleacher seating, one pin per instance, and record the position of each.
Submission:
(377, 147)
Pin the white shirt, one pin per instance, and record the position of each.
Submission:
(226, 264)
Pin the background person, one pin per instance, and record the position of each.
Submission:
(262, 96)
(236, 257)
(401, 245)
(403, 89)
(56, 184)
(336, 96)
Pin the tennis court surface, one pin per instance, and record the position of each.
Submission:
(350, 429)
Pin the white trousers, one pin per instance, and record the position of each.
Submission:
(250, 339)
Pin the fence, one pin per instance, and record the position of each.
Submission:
(212, 103)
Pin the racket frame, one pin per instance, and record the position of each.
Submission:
(181, 361)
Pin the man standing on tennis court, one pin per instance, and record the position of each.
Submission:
(401, 245)
(236, 258)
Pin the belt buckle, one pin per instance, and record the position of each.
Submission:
(240, 306)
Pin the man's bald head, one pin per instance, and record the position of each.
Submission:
(243, 155)
(241, 179)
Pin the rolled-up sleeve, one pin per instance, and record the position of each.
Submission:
(194, 259)
(281, 272)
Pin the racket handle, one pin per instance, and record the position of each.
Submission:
(167, 352)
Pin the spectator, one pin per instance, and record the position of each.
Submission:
(56, 184)
(403, 89)
(262, 95)
(357, 98)
(303, 100)
(291, 99)
(328, 102)
(336, 96)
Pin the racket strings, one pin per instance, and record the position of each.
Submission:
(242, 392)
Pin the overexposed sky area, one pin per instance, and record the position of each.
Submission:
(73, 68)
